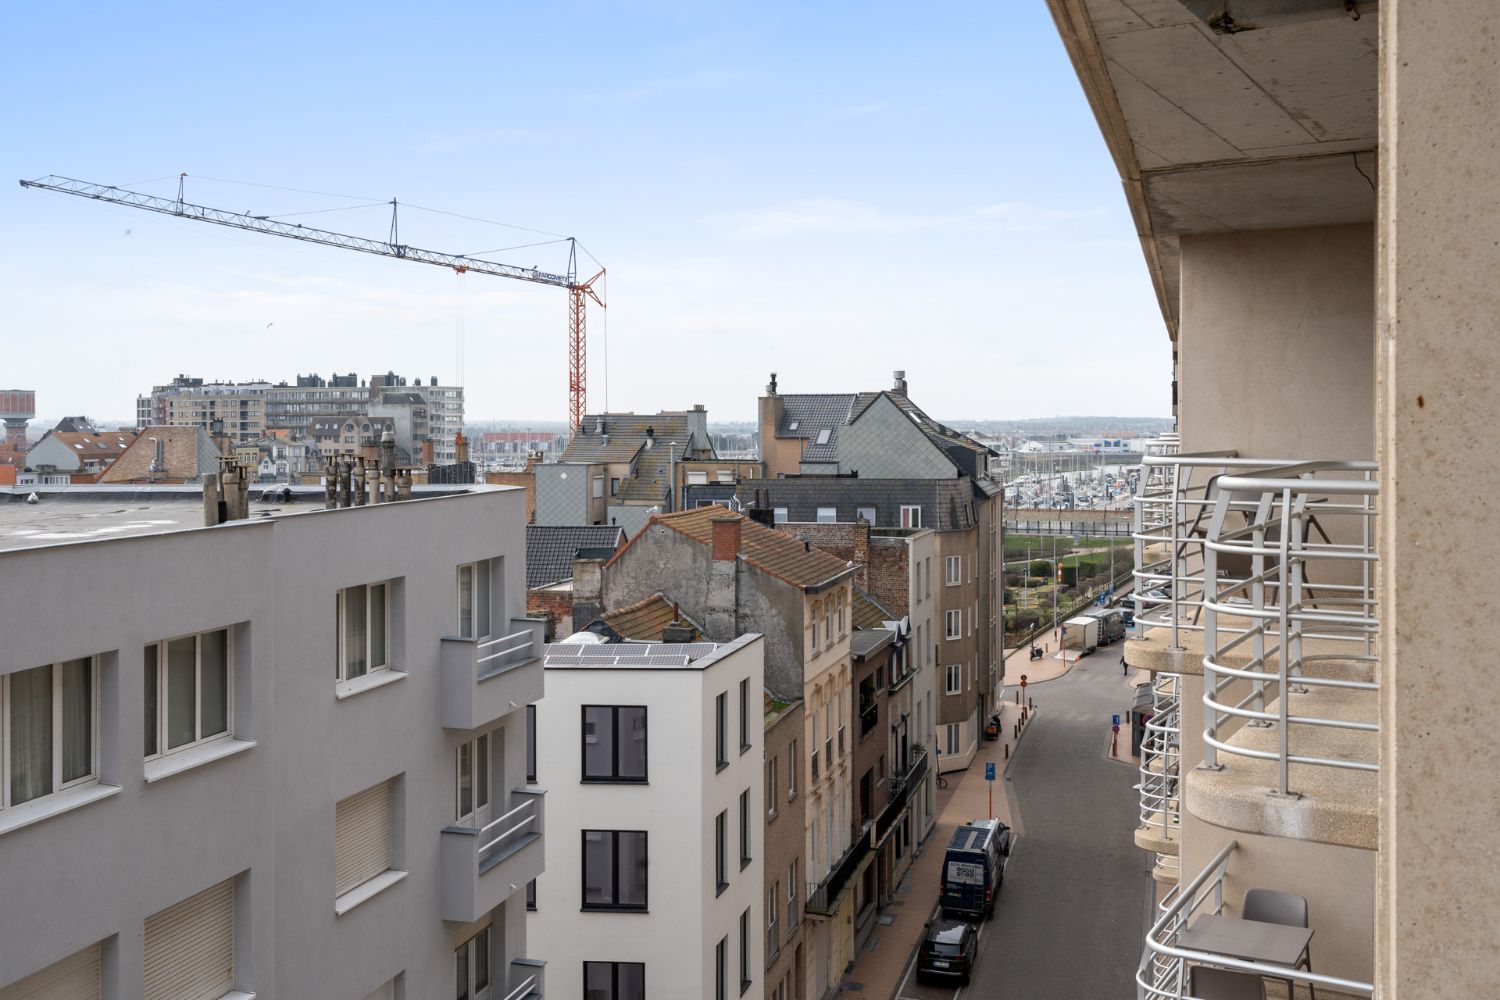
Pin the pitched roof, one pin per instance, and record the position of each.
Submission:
(550, 548)
(99, 444)
(624, 435)
(644, 620)
(946, 503)
(866, 612)
(807, 416)
(187, 454)
(763, 548)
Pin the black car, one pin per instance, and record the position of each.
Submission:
(948, 950)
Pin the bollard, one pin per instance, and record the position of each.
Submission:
(1033, 703)
(1018, 697)
(1007, 751)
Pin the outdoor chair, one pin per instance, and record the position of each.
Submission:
(1205, 983)
(1272, 906)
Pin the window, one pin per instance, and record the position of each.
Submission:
(841, 617)
(721, 849)
(824, 434)
(598, 487)
(955, 679)
(778, 515)
(189, 685)
(744, 715)
(828, 736)
(614, 485)
(472, 960)
(721, 970)
(771, 789)
(815, 629)
(473, 779)
(793, 765)
(866, 514)
(744, 829)
(745, 950)
(362, 837)
(792, 910)
(814, 746)
(614, 981)
(614, 869)
(721, 737)
(697, 477)
(190, 946)
(474, 599)
(927, 575)
(773, 910)
(951, 733)
(78, 975)
(725, 476)
(828, 515)
(953, 569)
(48, 724)
(828, 621)
(911, 516)
(531, 744)
(614, 743)
(364, 630)
(955, 622)
(531, 895)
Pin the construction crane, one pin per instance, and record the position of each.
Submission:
(579, 292)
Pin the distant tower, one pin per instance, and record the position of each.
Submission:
(17, 408)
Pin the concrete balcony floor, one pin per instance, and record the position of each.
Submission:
(1334, 805)
(1158, 838)
(1153, 651)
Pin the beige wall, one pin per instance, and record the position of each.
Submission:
(1439, 359)
(1276, 351)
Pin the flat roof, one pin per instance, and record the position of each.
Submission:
(95, 513)
(586, 654)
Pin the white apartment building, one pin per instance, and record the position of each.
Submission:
(280, 757)
(651, 754)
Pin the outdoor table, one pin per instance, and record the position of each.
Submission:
(1250, 940)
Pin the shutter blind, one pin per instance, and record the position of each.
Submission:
(190, 947)
(74, 978)
(462, 932)
(362, 837)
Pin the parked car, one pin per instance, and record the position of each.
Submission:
(974, 869)
(948, 949)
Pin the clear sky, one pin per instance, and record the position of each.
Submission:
(829, 191)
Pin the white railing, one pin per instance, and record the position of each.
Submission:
(512, 826)
(1291, 552)
(1163, 971)
(494, 656)
(1161, 765)
(525, 989)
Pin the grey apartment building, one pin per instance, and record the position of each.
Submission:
(285, 756)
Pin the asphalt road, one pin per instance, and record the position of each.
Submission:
(1071, 919)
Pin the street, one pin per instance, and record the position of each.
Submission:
(1071, 917)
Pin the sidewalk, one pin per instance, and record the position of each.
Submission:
(880, 963)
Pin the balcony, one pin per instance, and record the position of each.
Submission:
(526, 979)
(903, 786)
(1161, 760)
(485, 680)
(1192, 918)
(481, 867)
(823, 898)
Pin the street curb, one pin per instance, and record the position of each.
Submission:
(1030, 717)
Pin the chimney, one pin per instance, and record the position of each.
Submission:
(650, 436)
(721, 609)
(900, 387)
(588, 592)
(598, 425)
(427, 452)
(771, 386)
(697, 421)
(862, 553)
(360, 496)
(330, 484)
(771, 406)
(388, 465)
(460, 448)
(211, 502)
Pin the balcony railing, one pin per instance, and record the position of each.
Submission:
(1164, 969)
(526, 979)
(823, 897)
(868, 717)
(479, 865)
(1161, 766)
(1291, 555)
(484, 680)
(902, 787)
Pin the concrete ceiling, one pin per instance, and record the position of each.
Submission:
(1227, 115)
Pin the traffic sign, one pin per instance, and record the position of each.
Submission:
(989, 771)
(1115, 720)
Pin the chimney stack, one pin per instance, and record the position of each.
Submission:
(598, 425)
(900, 387)
(650, 436)
(588, 592)
(460, 448)
(726, 537)
(721, 616)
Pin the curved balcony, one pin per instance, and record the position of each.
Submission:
(1161, 758)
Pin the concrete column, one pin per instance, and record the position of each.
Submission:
(1438, 300)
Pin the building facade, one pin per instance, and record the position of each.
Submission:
(641, 900)
(207, 808)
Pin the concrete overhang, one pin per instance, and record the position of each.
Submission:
(1230, 115)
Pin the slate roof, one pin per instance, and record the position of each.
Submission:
(773, 552)
(626, 433)
(550, 549)
(868, 613)
(644, 620)
(806, 415)
(864, 641)
(946, 503)
(188, 453)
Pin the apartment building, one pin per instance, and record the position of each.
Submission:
(878, 457)
(1323, 255)
(641, 899)
(785, 849)
(192, 803)
(248, 409)
(735, 575)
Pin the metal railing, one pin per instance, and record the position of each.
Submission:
(902, 787)
(513, 827)
(823, 897)
(1161, 765)
(1163, 971)
(527, 974)
(868, 717)
(1291, 553)
(495, 656)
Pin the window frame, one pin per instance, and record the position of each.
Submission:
(745, 979)
(531, 743)
(479, 778)
(58, 713)
(779, 515)
(953, 570)
(744, 715)
(771, 776)
(868, 513)
(614, 977)
(721, 731)
(745, 831)
(949, 674)
(721, 969)
(953, 624)
(911, 515)
(614, 840)
(471, 985)
(478, 569)
(345, 681)
(826, 515)
(163, 708)
(721, 852)
(793, 764)
(614, 778)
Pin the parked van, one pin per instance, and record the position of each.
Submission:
(974, 868)
(1111, 625)
(1082, 634)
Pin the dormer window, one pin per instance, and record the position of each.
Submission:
(824, 435)
(792, 426)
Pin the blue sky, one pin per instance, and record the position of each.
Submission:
(828, 193)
